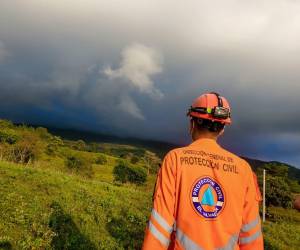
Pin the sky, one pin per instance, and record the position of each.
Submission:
(132, 68)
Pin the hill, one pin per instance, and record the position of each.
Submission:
(59, 193)
(159, 147)
(293, 172)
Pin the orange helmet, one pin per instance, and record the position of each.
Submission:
(211, 106)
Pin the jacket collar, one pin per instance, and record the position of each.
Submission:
(204, 141)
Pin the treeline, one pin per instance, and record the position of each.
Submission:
(280, 188)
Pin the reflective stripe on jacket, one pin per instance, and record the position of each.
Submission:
(205, 199)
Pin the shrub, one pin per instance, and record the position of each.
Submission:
(125, 172)
(54, 145)
(134, 160)
(6, 124)
(80, 145)
(43, 133)
(26, 150)
(79, 164)
(139, 152)
(74, 162)
(120, 173)
(5, 243)
(278, 192)
(8, 136)
(101, 159)
(294, 186)
(137, 175)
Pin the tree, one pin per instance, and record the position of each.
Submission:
(278, 188)
(26, 150)
(124, 172)
(276, 169)
(278, 192)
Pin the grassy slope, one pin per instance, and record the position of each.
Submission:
(282, 229)
(42, 208)
(38, 204)
(282, 235)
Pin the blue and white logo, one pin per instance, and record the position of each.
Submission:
(207, 197)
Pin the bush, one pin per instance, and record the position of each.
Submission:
(278, 192)
(8, 136)
(26, 150)
(79, 145)
(137, 175)
(120, 172)
(101, 159)
(294, 186)
(74, 162)
(278, 187)
(134, 160)
(6, 124)
(125, 172)
(54, 145)
(43, 133)
(79, 164)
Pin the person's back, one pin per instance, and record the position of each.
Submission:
(205, 196)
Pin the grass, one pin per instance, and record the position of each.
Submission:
(43, 209)
(282, 235)
(282, 229)
(49, 209)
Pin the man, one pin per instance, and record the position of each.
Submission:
(205, 197)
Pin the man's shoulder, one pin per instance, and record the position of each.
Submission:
(233, 155)
(176, 151)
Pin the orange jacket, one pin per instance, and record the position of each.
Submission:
(205, 198)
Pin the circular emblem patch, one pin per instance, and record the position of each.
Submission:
(207, 197)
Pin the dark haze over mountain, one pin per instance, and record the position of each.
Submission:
(133, 68)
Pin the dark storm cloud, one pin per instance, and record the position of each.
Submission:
(134, 67)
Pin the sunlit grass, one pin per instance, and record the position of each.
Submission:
(28, 198)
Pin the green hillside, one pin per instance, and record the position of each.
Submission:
(293, 172)
(47, 209)
(67, 194)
